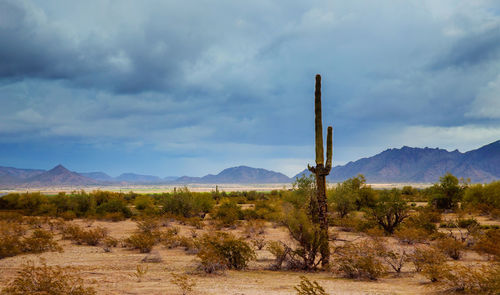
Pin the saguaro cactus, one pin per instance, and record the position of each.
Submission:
(321, 170)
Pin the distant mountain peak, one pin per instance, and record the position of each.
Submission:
(59, 168)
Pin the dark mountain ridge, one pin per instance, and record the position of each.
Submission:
(423, 165)
(240, 174)
(59, 175)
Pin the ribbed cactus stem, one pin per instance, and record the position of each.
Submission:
(321, 171)
(329, 147)
(318, 122)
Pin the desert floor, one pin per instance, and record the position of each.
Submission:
(112, 272)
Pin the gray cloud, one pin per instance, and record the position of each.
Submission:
(207, 78)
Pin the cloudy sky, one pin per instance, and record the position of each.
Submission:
(193, 87)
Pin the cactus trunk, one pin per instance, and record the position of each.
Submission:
(321, 171)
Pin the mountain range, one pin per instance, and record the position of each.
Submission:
(423, 165)
(406, 164)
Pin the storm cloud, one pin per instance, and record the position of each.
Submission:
(176, 87)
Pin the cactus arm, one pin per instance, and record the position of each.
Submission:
(312, 169)
(329, 147)
(318, 122)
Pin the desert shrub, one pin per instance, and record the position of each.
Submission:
(9, 216)
(142, 241)
(71, 231)
(184, 203)
(184, 282)
(92, 237)
(488, 243)
(447, 193)
(411, 235)
(484, 198)
(40, 241)
(147, 224)
(10, 239)
(143, 202)
(352, 194)
(258, 243)
(466, 223)
(389, 211)
(108, 243)
(140, 272)
(308, 235)
(254, 227)
(80, 236)
(228, 213)
(395, 258)
(224, 250)
(450, 247)
(113, 216)
(280, 251)
(430, 261)
(473, 280)
(53, 280)
(342, 198)
(114, 205)
(306, 287)
(359, 261)
(68, 215)
(196, 222)
(424, 219)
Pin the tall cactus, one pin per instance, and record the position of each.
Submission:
(321, 171)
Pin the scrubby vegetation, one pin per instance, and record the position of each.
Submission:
(44, 279)
(436, 231)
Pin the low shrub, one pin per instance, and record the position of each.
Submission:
(142, 241)
(40, 241)
(53, 280)
(395, 258)
(184, 282)
(254, 227)
(223, 250)
(430, 261)
(113, 216)
(450, 247)
(108, 243)
(258, 243)
(411, 235)
(359, 261)
(228, 213)
(10, 239)
(306, 287)
(473, 280)
(80, 236)
(280, 251)
(148, 225)
(488, 243)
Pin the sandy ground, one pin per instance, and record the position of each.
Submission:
(112, 273)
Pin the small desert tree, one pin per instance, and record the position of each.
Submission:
(389, 211)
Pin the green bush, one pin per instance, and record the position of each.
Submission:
(142, 241)
(389, 210)
(228, 213)
(223, 250)
(308, 236)
(359, 261)
(447, 193)
(187, 204)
